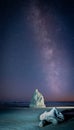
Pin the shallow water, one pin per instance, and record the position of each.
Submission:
(28, 119)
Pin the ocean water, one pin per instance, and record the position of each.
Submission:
(26, 104)
(60, 104)
(28, 119)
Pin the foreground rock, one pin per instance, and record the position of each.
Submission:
(37, 100)
(53, 116)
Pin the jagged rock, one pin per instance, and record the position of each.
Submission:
(37, 100)
(53, 116)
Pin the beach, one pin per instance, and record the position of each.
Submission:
(28, 119)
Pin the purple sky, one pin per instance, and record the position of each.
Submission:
(37, 49)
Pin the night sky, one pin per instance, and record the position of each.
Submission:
(37, 49)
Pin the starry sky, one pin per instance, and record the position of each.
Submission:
(37, 49)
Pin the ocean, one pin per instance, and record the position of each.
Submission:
(26, 104)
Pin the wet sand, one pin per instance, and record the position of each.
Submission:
(28, 119)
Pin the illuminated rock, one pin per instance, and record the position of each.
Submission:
(37, 100)
(53, 116)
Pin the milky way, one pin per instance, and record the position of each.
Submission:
(55, 63)
(37, 49)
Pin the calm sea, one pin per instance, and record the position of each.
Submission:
(26, 104)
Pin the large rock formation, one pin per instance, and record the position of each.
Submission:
(37, 100)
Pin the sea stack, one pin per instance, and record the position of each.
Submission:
(37, 100)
